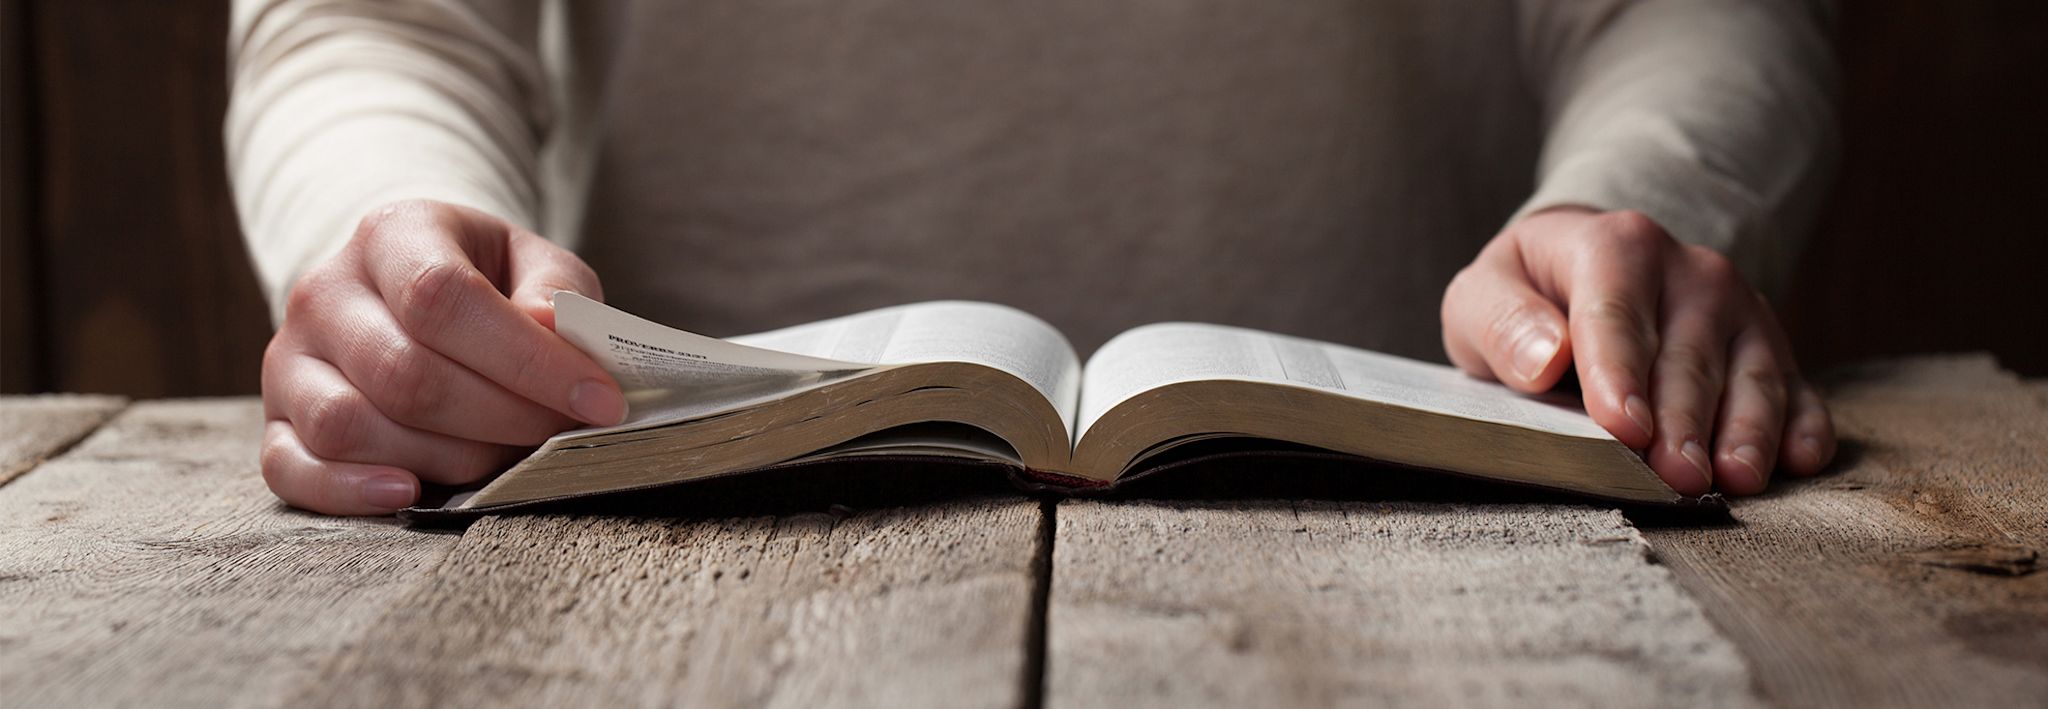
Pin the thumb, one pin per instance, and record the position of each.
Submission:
(537, 268)
(1497, 326)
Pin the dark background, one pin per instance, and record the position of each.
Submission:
(122, 271)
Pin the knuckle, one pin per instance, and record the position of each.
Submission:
(1622, 315)
(1716, 270)
(371, 225)
(274, 353)
(1675, 424)
(308, 295)
(335, 425)
(402, 376)
(1749, 429)
(1767, 382)
(1632, 227)
(299, 301)
(274, 459)
(1690, 362)
(431, 298)
(1460, 281)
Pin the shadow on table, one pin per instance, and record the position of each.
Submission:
(831, 487)
(1309, 474)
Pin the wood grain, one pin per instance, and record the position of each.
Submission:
(143, 285)
(149, 566)
(1319, 603)
(913, 606)
(33, 428)
(1910, 577)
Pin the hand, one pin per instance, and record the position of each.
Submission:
(423, 351)
(1676, 355)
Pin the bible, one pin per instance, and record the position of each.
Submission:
(978, 383)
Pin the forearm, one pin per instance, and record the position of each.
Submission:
(340, 106)
(1715, 119)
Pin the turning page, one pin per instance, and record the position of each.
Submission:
(671, 374)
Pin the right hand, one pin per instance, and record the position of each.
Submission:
(424, 351)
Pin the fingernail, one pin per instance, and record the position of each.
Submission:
(1534, 352)
(1638, 411)
(1696, 454)
(1752, 458)
(388, 493)
(596, 403)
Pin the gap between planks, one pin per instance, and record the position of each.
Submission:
(153, 567)
(36, 428)
(1041, 599)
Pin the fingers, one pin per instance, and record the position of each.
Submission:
(1613, 298)
(1752, 416)
(333, 421)
(412, 384)
(1676, 355)
(307, 482)
(538, 269)
(405, 359)
(443, 300)
(1497, 326)
(1809, 443)
(1687, 379)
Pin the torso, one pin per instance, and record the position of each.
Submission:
(1315, 168)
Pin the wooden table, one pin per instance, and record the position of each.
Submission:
(142, 562)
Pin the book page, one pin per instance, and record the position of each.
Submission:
(945, 331)
(1166, 353)
(671, 375)
(926, 439)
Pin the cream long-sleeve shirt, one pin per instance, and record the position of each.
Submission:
(1319, 167)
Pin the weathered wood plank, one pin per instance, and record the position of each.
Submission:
(1910, 577)
(1318, 603)
(149, 566)
(912, 606)
(32, 428)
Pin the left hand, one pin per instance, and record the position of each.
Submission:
(1675, 354)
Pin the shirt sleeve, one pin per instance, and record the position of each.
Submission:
(1715, 118)
(338, 106)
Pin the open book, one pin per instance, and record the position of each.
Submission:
(990, 384)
